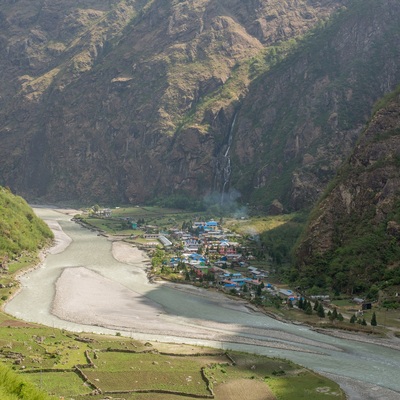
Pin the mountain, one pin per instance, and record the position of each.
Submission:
(302, 118)
(352, 241)
(21, 231)
(122, 101)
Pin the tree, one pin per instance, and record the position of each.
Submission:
(373, 320)
(308, 309)
(316, 305)
(321, 311)
(353, 319)
(301, 303)
(290, 303)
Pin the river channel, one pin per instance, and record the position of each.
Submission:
(195, 317)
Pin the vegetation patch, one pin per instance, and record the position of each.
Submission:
(90, 366)
(306, 385)
(244, 389)
(13, 387)
(22, 233)
(66, 382)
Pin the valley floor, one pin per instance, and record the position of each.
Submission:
(79, 288)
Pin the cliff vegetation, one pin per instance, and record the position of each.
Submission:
(352, 242)
(21, 232)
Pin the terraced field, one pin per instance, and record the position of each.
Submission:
(82, 367)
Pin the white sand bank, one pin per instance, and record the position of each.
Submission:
(61, 240)
(128, 254)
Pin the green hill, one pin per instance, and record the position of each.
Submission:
(351, 244)
(21, 232)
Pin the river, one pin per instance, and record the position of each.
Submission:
(365, 370)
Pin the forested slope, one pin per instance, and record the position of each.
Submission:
(352, 242)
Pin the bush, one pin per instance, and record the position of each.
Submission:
(13, 387)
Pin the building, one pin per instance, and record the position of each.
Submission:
(151, 235)
(164, 241)
(211, 226)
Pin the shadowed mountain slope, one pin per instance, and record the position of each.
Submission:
(352, 242)
(125, 100)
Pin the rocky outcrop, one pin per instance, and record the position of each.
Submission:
(120, 100)
(353, 236)
(302, 118)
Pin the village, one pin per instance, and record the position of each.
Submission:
(208, 255)
(194, 250)
(204, 253)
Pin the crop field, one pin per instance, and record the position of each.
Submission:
(304, 386)
(83, 367)
(69, 384)
(189, 382)
(240, 389)
(151, 371)
(162, 217)
(257, 225)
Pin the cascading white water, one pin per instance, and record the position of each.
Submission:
(227, 168)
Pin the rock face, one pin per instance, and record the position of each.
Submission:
(302, 118)
(353, 236)
(124, 100)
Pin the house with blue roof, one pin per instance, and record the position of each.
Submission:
(211, 226)
(197, 257)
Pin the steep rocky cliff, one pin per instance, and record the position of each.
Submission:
(353, 238)
(301, 119)
(97, 97)
(124, 100)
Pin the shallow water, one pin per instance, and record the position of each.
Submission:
(368, 363)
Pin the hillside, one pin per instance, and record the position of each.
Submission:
(122, 101)
(352, 240)
(302, 118)
(21, 232)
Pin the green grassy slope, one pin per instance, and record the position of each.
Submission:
(20, 230)
(14, 387)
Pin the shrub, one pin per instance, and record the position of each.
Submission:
(12, 387)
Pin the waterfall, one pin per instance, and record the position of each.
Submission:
(226, 160)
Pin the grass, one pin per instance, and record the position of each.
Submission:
(67, 383)
(305, 385)
(343, 303)
(257, 225)
(21, 232)
(163, 218)
(14, 387)
(46, 358)
(189, 382)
